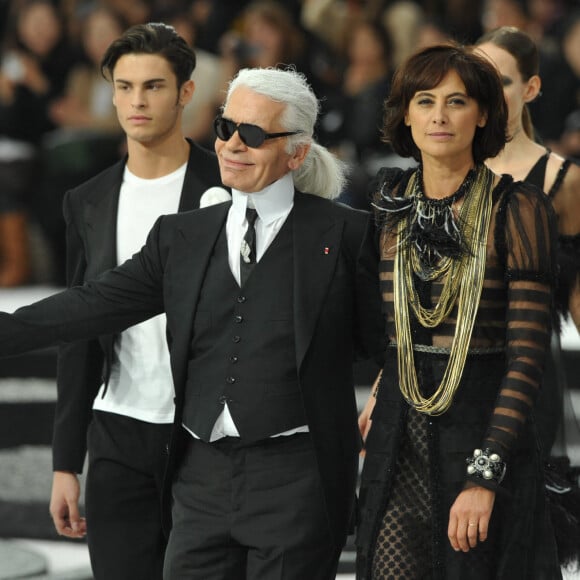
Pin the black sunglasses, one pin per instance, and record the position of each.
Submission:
(251, 135)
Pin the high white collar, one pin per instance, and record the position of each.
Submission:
(272, 202)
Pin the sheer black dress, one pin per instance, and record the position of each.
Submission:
(558, 426)
(415, 464)
(550, 410)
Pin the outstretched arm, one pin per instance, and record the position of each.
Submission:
(119, 298)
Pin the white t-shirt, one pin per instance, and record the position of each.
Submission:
(141, 385)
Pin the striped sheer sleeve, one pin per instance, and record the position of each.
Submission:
(529, 231)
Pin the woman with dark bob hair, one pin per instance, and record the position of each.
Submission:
(452, 483)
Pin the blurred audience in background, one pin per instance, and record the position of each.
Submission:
(570, 140)
(35, 61)
(264, 35)
(57, 123)
(353, 110)
(86, 104)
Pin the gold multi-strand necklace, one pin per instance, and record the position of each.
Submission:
(462, 278)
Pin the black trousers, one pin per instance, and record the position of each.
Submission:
(123, 497)
(253, 512)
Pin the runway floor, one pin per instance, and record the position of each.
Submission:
(70, 562)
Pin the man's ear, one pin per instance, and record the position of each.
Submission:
(533, 88)
(299, 156)
(186, 92)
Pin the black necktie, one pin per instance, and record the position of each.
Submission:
(248, 247)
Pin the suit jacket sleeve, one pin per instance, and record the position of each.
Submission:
(119, 298)
(79, 368)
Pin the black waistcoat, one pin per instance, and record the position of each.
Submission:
(242, 351)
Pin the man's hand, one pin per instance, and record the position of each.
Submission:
(469, 518)
(64, 505)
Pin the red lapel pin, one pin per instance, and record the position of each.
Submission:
(326, 250)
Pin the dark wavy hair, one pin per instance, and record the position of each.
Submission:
(424, 70)
(152, 38)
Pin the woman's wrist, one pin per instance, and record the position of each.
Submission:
(487, 465)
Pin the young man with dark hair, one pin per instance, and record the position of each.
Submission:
(119, 388)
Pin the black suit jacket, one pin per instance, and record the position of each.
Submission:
(337, 313)
(90, 212)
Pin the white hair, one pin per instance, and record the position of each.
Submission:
(322, 173)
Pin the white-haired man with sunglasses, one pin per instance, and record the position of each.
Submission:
(269, 298)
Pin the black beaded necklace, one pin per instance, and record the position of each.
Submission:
(448, 200)
(432, 227)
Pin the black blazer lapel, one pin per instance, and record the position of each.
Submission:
(100, 218)
(317, 236)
